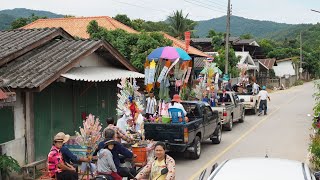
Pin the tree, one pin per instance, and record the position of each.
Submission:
(246, 36)
(211, 33)
(20, 22)
(180, 24)
(135, 47)
(123, 19)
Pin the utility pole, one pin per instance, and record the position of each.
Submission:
(227, 39)
(300, 69)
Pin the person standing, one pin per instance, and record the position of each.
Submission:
(263, 96)
(151, 105)
(161, 161)
(255, 88)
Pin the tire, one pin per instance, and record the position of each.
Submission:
(241, 120)
(197, 148)
(218, 134)
(229, 126)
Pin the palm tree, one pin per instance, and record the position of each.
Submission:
(180, 24)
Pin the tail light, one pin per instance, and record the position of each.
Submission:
(186, 135)
(251, 99)
(224, 113)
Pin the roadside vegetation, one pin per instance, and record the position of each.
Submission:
(314, 146)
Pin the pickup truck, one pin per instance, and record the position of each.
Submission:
(250, 101)
(187, 137)
(230, 109)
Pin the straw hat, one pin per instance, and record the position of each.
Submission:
(61, 137)
(176, 98)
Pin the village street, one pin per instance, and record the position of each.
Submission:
(284, 133)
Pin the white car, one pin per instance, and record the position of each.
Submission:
(262, 169)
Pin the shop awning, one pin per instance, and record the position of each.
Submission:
(100, 74)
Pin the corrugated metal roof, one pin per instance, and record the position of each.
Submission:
(100, 74)
(16, 42)
(268, 63)
(41, 64)
(201, 40)
(199, 62)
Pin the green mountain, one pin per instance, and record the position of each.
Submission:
(257, 28)
(7, 16)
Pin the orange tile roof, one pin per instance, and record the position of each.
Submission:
(77, 26)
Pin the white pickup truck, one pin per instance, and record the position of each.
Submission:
(230, 109)
(251, 101)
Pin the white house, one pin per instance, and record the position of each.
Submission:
(285, 67)
(246, 59)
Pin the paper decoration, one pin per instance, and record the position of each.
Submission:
(164, 71)
(152, 72)
(188, 75)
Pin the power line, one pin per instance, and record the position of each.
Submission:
(315, 11)
(204, 6)
(144, 7)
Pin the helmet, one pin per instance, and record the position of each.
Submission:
(264, 87)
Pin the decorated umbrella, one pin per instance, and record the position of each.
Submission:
(169, 52)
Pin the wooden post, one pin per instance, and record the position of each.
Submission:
(30, 127)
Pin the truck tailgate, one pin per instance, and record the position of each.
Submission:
(164, 132)
(246, 98)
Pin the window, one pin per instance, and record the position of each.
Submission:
(191, 109)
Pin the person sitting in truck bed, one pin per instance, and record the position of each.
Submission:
(176, 103)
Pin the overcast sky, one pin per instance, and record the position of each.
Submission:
(284, 11)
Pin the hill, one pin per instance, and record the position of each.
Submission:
(9, 15)
(240, 25)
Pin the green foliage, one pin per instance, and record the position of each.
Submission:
(123, 18)
(7, 165)
(298, 83)
(179, 24)
(8, 16)
(134, 47)
(211, 33)
(20, 22)
(233, 61)
(246, 36)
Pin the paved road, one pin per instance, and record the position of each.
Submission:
(283, 133)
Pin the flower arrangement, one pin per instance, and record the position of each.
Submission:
(90, 134)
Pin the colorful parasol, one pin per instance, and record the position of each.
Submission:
(169, 52)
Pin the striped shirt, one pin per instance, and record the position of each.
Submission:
(151, 104)
(54, 158)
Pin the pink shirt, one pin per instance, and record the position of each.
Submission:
(54, 158)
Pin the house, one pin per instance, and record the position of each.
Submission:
(246, 60)
(77, 27)
(265, 66)
(204, 44)
(285, 68)
(58, 81)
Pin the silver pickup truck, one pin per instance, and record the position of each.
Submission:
(251, 101)
(230, 109)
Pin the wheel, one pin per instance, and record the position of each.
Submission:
(241, 120)
(197, 148)
(229, 126)
(218, 135)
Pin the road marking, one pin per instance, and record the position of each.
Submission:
(231, 146)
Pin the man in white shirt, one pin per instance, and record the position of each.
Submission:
(263, 96)
(151, 105)
(255, 88)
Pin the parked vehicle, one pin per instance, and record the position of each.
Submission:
(262, 169)
(230, 109)
(187, 137)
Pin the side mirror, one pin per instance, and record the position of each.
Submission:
(241, 100)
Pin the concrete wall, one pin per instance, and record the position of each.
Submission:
(16, 147)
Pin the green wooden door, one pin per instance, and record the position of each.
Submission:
(52, 114)
(7, 124)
